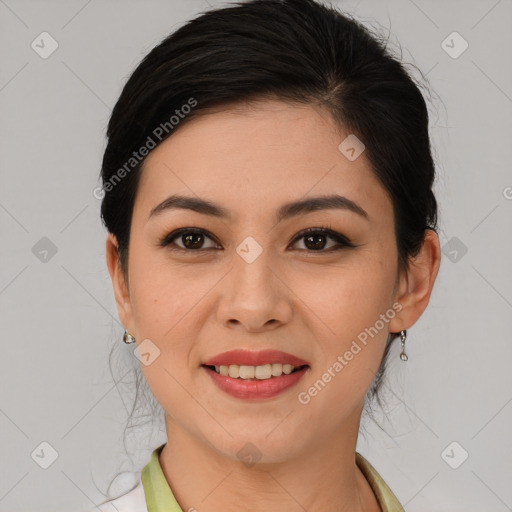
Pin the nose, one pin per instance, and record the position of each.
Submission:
(255, 296)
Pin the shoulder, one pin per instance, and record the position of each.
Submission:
(133, 500)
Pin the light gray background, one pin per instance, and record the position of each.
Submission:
(59, 320)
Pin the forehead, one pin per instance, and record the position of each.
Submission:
(256, 157)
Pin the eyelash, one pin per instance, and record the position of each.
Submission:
(342, 240)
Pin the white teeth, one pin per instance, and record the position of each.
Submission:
(261, 372)
(234, 371)
(287, 368)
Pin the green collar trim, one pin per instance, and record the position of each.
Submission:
(159, 497)
(387, 500)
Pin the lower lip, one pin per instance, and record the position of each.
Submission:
(255, 389)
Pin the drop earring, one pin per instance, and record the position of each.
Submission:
(128, 338)
(403, 355)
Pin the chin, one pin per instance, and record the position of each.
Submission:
(261, 448)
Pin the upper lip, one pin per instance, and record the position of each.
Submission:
(254, 358)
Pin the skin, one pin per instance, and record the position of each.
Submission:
(313, 304)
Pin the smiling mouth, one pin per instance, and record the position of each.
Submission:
(261, 372)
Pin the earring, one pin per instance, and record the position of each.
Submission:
(403, 355)
(128, 338)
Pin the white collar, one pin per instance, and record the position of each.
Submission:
(132, 501)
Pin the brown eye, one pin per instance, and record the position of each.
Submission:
(315, 239)
(192, 239)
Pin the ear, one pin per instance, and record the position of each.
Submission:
(415, 284)
(121, 290)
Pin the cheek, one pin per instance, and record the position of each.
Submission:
(164, 296)
(350, 349)
(350, 299)
(352, 310)
(168, 304)
(165, 312)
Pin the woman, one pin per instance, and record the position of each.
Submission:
(272, 230)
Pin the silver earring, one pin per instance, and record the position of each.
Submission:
(128, 338)
(403, 355)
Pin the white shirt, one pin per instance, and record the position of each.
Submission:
(132, 501)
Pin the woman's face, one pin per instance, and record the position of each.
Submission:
(248, 280)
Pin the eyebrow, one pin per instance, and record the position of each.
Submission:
(286, 211)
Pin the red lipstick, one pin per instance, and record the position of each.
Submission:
(255, 389)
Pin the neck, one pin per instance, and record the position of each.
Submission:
(326, 478)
